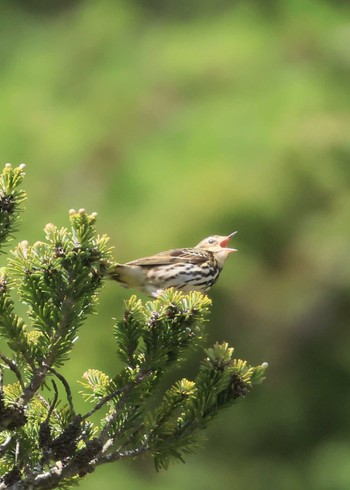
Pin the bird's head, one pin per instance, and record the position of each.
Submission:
(218, 245)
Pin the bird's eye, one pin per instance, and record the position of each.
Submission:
(211, 241)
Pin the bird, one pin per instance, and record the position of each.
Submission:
(184, 269)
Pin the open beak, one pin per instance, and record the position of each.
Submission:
(225, 241)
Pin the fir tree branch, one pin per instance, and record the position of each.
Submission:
(118, 455)
(111, 418)
(10, 200)
(40, 372)
(60, 472)
(44, 445)
(103, 402)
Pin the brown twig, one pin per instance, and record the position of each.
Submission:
(66, 387)
(14, 368)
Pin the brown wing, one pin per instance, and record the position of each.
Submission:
(176, 256)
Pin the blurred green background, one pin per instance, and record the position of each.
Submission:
(177, 120)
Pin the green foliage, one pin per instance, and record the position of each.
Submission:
(157, 333)
(10, 200)
(58, 280)
(44, 443)
(12, 327)
(188, 406)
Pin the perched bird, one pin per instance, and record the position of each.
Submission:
(185, 269)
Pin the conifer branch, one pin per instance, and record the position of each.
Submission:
(111, 418)
(103, 402)
(44, 444)
(118, 455)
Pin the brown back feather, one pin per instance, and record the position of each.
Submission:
(178, 255)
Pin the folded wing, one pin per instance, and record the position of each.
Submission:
(179, 255)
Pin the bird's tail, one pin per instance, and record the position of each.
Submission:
(128, 276)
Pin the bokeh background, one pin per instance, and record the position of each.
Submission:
(177, 120)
